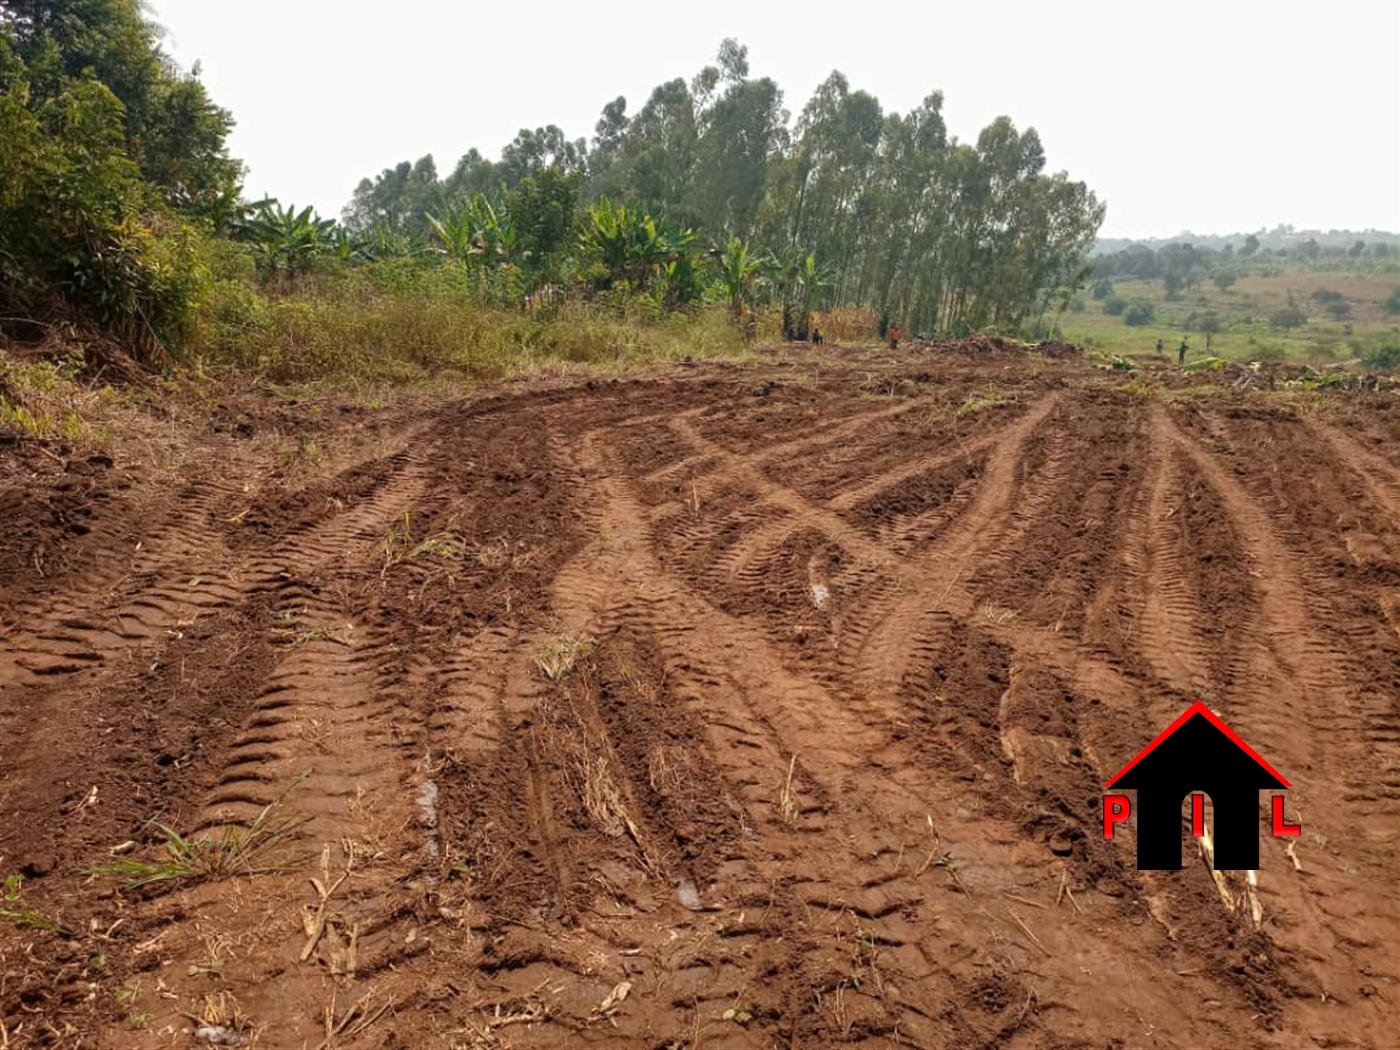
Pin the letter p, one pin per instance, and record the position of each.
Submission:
(1116, 809)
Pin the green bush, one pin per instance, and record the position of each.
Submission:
(78, 224)
(1114, 305)
(1076, 305)
(1138, 314)
(1102, 288)
(1385, 357)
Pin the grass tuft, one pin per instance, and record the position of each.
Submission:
(557, 660)
(257, 849)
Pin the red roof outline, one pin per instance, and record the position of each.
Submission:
(1199, 708)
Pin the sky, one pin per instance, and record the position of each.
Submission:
(1209, 117)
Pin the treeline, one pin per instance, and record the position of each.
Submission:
(1282, 237)
(940, 235)
(121, 212)
(1183, 265)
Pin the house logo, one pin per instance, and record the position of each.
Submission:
(1200, 755)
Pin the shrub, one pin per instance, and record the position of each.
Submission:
(1392, 304)
(1114, 305)
(1102, 288)
(1076, 305)
(1386, 357)
(1138, 314)
(1339, 311)
(1326, 295)
(1291, 316)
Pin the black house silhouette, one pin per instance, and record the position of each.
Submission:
(1198, 752)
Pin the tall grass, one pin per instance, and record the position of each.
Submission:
(380, 330)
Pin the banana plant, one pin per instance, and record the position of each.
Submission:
(372, 245)
(739, 270)
(630, 245)
(285, 241)
(813, 279)
(476, 232)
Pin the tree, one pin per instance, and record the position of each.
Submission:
(1102, 289)
(1290, 316)
(947, 236)
(739, 134)
(532, 152)
(398, 199)
(169, 127)
(1209, 324)
(110, 162)
(1138, 314)
(1224, 279)
(1251, 245)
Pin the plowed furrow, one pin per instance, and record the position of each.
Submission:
(884, 637)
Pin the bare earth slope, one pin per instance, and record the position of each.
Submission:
(734, 707)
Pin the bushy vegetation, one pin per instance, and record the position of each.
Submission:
(937, 235)
(112, 167)
(1138, 314)
(121, 212)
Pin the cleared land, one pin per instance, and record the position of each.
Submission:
(736, 706)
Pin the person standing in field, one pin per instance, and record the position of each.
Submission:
(1159, 348)
(1181, 353)
(894, 338)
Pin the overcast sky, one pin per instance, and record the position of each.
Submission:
(1209, 117)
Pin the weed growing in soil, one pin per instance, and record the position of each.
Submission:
(399, 546)
(10, 894)
(980, 401)
(258, 849)
(557, 659)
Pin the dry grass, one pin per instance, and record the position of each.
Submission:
(601, 795)
(996, 615)
(501, 554)
(558, 658)
(788, 804)
(669, 768)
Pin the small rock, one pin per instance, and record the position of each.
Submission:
(218, 1035)
(687, 894)
(1109, 887)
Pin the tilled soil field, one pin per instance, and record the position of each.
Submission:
(763, 706)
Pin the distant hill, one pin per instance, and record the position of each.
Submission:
(1279, 237)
